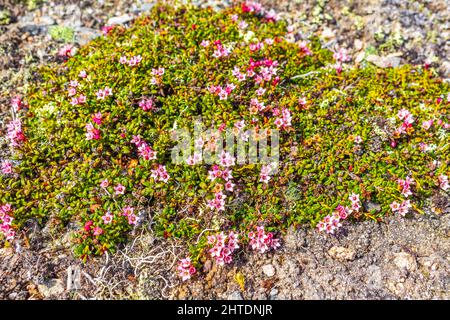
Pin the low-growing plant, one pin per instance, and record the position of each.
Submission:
(92, 141)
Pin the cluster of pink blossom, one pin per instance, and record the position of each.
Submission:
(225, 174)
(220, 50)
(160, 174)
(266, 172)
(284, 120)
(256, 46)
(405, 186)
(443, 182)
(341, 55)
(401, 208)
(238, 74)
(145, 151)
(256, 105)
(96, 230)
(262, 241)
(72, 91)
(6, 167)
(185, 269)
(146, 104)
(157, 75)
(303, 45)
(6, 221)
(132, 62)
(407, 119)
(106, 30)
(251, 7)
(223, 247)
(226, 159)
(97, 118)
(91, 132)
(218, 203)
(128, 212)
(217, 173)
(14, 133)
(332, 222)
(103, 93)
(194, 159)
(17, 103)
(67, 51)
(271, 16)
(223, 93)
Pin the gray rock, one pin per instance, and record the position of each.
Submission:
(51, 288)
(46, 21)
(85, 35)
(123, 19)
(342, 253)
(405, 261)
(268, 270)
(235, 295)
(392, 60)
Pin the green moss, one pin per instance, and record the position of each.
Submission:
(60, 171)
(62, 33)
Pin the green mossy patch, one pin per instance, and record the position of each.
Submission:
(58, 171)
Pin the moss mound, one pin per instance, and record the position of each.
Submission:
(97, 152)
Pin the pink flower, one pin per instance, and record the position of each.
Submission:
(354, 198)
(160, 174)
(123, 60)
(104, 183)
(97, 231)
(67, 51)
(81, 99)
(106, 30)
(146, 104)
(72, 91)
(91, 132)
(6, 167)
(358, 139)
(103, 93)
(304, 48)
(443, 182)
(229, 186)
(395, 206)
(427, 124)
(404, 207)
(185, 269)
(341, 55)
(205, 43)
(97, 118)
(119, 189)
(107, 218)
(82, 74)
(132, 219)
(223, 246)
(134, 61)
(262, 241)
(405, 186)
(158, 71)
(88, 225)
(16, 103)
(15, 133)
(226, 159)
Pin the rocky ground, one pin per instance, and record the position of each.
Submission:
(399, 258)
